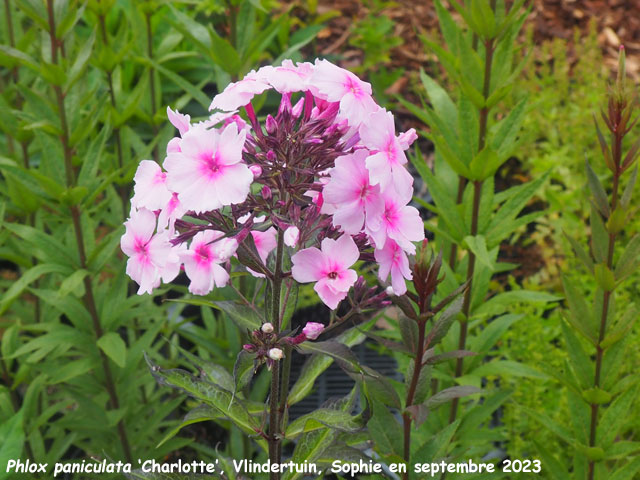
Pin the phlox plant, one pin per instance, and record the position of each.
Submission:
(303, 196)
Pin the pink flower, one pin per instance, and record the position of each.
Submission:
(265, 243)
(208, 172)
(287, 78)
(407, 138)
(291, 236)
(386, 164)
(147, 252)
(398, 222)
(350, 196)
(312, 330)
(239, 93)
(150, 188)
(203, 258)
(393, 259)
(180, 121)
(336, 84)
(172, 211)
(328, 267)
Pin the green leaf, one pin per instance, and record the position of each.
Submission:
(385, 431)
(597, 190)
(114, 347)
(444, 200)
(507, 130)
(207, 392)
(323, 418)
(580, 315)
(244, 316)
(629, 261)
(615, 417)
(243, 370)
(317, 364)
(596, 396)
(73, 284)
(580, 252)
(501, 302)
(439, 98)
(339, 352)
(12, 434)
(604, 277)
(628, 191)
(478, 246)
(449, 394)
(444, 322)
(81, 61)
(509, 368)
(25, 279)
(223, 53)
(599, 236)
(485, 164)
(518, 197)
(408, 333)
(622, 327)
(580, 362)
(628, 471)
(201, 413)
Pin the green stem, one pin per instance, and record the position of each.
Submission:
(605, 309)
(417, 368)
(477, 192)
(88, 298)
(274, 396)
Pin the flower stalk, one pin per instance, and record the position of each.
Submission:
(88, 298)
(489, 46)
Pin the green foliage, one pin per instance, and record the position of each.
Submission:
(80, 106)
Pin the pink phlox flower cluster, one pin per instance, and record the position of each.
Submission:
(328, 168)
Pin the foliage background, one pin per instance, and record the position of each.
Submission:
(73, 331)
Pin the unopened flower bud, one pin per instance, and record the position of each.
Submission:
(271, 156)
(249, 348)
(312, 330)
(297, 108)
(389, 291)
(291, 236)
(267, 327)
(276, 354)
(271, 125)
(266, 192)
(256, 170)
(285, 103)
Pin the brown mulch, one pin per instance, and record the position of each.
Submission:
(617, 22)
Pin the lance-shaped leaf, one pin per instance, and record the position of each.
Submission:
(444, 322)
(339, 352)
(604, 147)
(318, 363)
(628, 190)
(580, 315)
(209, 393)
(599, 236)
(597, 190)
(385, 430)
(409, 333)
(478, 246)
(243, 370)
(629, 260)
(580, 252)
(324, 418)
(622, 327)
(202, 413)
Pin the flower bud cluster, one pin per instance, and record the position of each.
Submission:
(326, 171)
(269, 346)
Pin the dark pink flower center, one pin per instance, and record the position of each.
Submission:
(332, 275)
(203, 254)
(211, 165)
